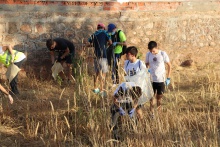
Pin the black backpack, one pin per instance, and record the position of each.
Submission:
(124, 47)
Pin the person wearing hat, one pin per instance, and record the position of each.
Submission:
(9, 56)
(66, 51)
(119, 40)
(100, 40)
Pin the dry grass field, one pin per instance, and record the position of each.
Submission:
(46, 115)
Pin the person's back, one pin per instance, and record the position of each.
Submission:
(99, 40)
(62, 44)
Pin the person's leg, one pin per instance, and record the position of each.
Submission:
(115, 115)
(69, 64)
(104, 69)
(96, 76)
(14, 82)
(62, 74)
(61, 61)
(109, 55)
(117, 59)
(152, 106)
(115, 76)
(69, 71)
(116, 122)
(152, 99)
(159, 98)
(160, 91)
(13, 85)
(139, 113)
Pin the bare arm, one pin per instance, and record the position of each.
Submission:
(168, 70)
(109, 42)
(147, 65)
(122, 43)
(4, 90)
(52, 56)
(67, 51)
(10, 49)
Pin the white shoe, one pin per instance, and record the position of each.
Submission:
(114, 85)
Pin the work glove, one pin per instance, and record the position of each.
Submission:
(131, 113)
(10, 99)
(114, 43)
(121, 111)
(167, 82)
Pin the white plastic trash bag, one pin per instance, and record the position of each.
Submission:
(56, 69)
(12, 71)
(142, 79)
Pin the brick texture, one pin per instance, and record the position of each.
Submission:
(106, 6)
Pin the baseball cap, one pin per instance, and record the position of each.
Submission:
(111, 27)
(100, 25)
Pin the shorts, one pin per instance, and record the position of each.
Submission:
(159, 88)
(67, 59)
(101, 64)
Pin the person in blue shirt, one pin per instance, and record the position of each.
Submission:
(100, 40)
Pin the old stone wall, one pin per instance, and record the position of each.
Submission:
(175, 25)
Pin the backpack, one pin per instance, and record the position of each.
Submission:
(124, 47)
(139, 63)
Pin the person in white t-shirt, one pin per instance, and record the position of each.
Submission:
(132, 67)
(156, 60)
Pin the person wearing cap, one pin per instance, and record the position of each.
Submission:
(119, 40)
(66, 52)
(100, 40)
(155, 60)
(10, 56)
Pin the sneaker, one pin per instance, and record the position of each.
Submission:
(96, 90)
(114, 85)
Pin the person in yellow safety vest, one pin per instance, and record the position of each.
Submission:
(9, 56)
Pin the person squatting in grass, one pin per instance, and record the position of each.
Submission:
(99, 40)
(66, 52)
(125, 99)
(155, 60)
(10, 56)
(132, 67)
(115, 51)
